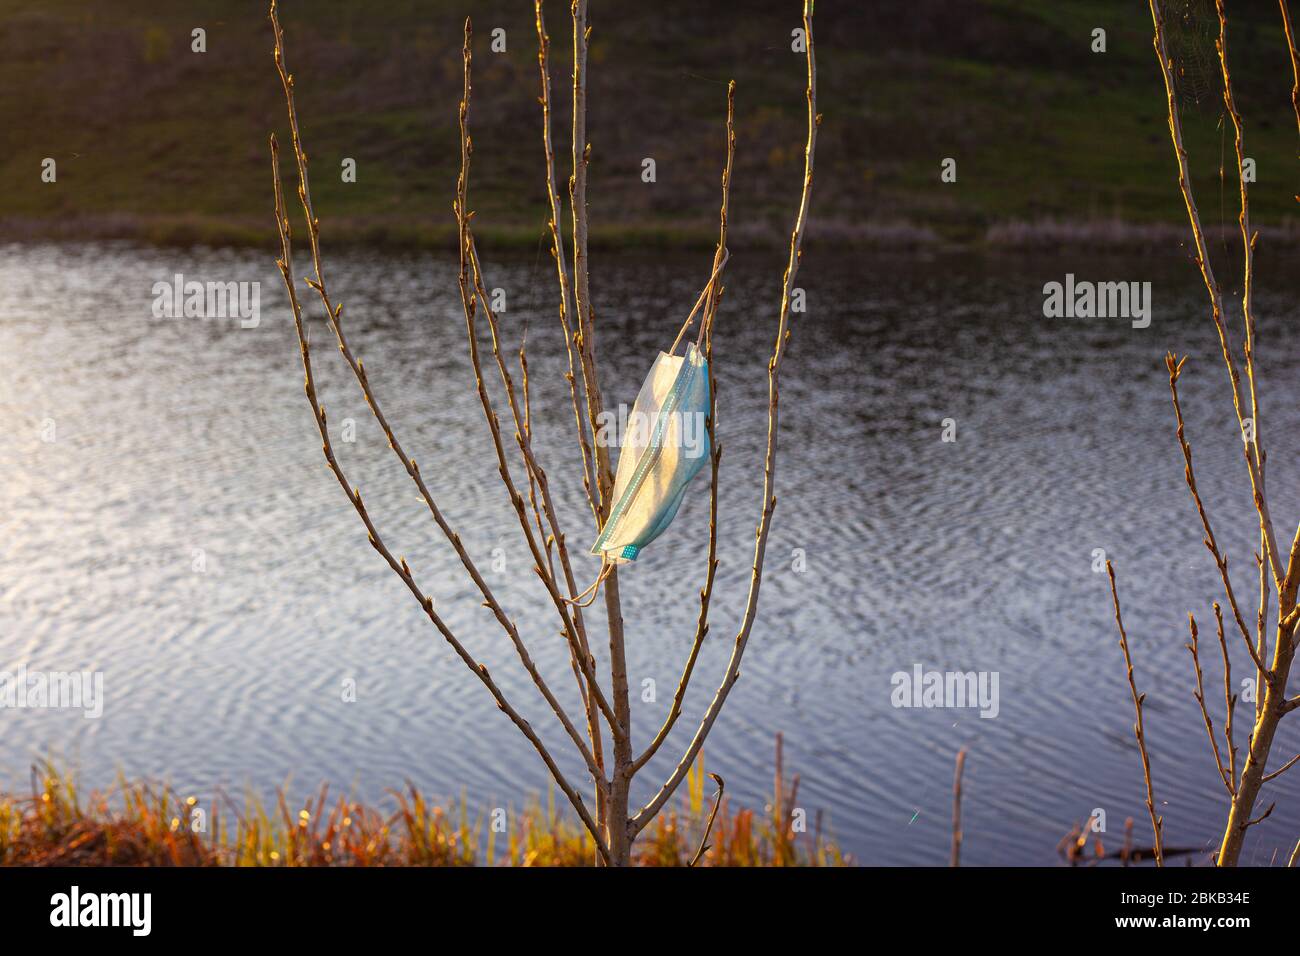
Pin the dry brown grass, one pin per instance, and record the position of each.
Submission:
(144, 824)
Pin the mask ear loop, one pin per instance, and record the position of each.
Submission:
(726, 254)
(606, 566)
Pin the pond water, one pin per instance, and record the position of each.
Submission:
(167, 519)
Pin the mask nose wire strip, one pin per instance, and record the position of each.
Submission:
(589, 594)
(700, 301)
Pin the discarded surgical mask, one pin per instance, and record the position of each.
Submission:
(664, 446)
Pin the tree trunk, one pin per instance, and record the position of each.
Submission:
(617, 829)
(1261, 743)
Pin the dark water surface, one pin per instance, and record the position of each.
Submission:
(178, 439)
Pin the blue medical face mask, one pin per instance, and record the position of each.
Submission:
(665, 443)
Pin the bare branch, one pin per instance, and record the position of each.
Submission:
(1270, 705)
(588, 702)
(586, 335)
(618, 833)
(1229, 698)
(399, 567)
(1138, 730)
(579, 648)
(1261, 622)
(1295, 59)
(706, 593)
(717, 802)
(1175, 368)
(1287, 595)
(526, 429)
(956, 807)
(1199, 694)
(1261, 818)
(557, 252)
(1212, 288)
(716, 288)
(647, 813)
(1283, 769)
(469, 301)
(1248, 315)
(333, 314)
(1247, 242)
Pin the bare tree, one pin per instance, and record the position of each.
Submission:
(613, 825)
(1278, 571)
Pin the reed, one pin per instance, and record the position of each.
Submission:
(145, 824)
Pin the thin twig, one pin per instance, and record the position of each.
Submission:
(526, 427)
(1261, 623)
(557, 253)
(956, 807)
(1138, 730)
(1199, 694)
(717, 802)
(1175, 367)
(1229, 698)
(1295, 59)
(1261, 818)
(1283, 769)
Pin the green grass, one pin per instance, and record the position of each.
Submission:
(156, 142)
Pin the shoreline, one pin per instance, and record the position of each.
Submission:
(1011, 236)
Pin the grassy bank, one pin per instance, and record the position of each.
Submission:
(141, 824)
(156, 142)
